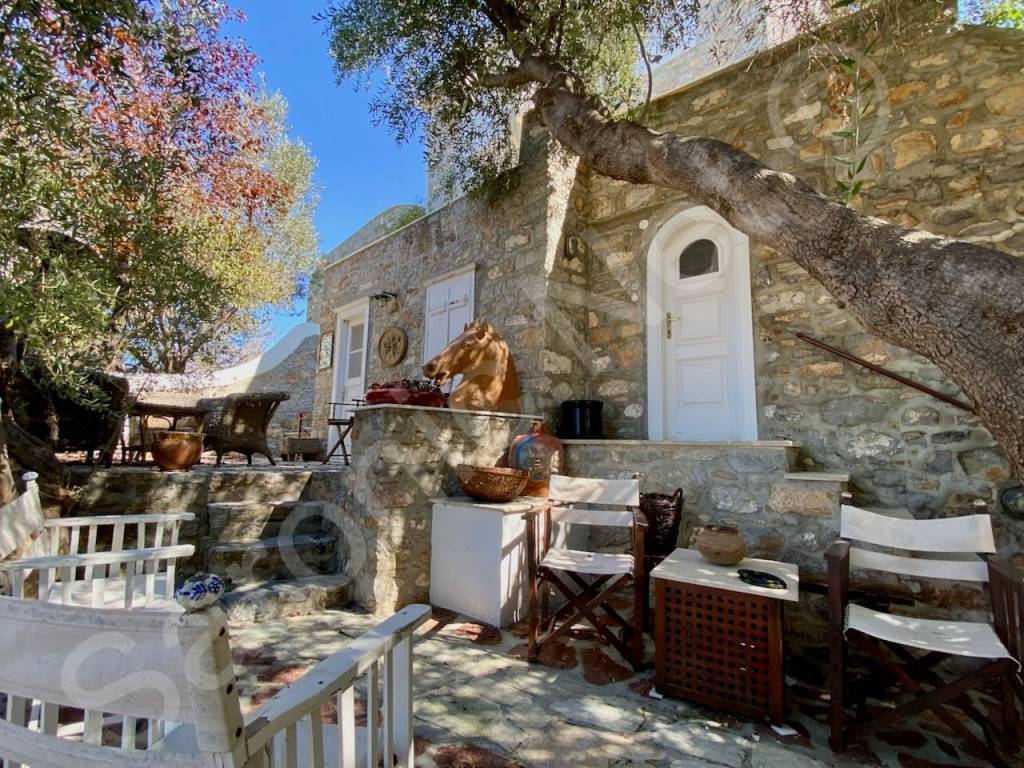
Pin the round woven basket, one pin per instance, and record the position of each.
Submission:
(494, 484)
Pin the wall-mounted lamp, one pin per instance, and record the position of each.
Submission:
(389, 300)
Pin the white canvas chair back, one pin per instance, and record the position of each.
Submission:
(119, 666)
(587, 501)
(21, 518)
(952, 544)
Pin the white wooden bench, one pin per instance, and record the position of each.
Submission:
(157, 689)
(85, 574)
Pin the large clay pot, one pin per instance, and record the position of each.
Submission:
(173, 451)
(721, 544)
(539, 455)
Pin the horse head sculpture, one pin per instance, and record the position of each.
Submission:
(489, 378)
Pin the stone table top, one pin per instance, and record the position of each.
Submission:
(690, 567)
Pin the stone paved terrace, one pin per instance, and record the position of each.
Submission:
(480, 705)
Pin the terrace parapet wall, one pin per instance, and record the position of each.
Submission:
(750, 485)
(403, 457)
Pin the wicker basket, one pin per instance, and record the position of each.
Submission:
(664, 513)
(494, 484)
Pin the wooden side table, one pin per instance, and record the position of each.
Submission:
(171, 408)
(718, 641)
(303, 448)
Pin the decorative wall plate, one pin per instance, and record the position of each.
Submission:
(393, 345)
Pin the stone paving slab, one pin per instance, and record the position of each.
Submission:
(478, 705)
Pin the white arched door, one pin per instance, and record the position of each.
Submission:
(700, 332)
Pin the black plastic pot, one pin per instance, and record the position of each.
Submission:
(582, 420)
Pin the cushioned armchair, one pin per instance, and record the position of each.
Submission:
(240, 424)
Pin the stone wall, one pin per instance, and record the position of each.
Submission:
(515, 246)
(293, 372)
(781, 513)
(948, 157)
(296, 376)
(403, 457)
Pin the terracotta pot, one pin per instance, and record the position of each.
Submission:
(721, 544)
(174, 451)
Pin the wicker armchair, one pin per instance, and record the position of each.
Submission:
(240, 424)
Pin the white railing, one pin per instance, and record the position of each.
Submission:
(289, 730)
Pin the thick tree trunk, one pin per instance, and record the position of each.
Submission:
(8, 360)
(28, 452)
(8, 489)
(21, 451)
(957, 304)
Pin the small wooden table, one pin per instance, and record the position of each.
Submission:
(718, 641)
(170, 410)
(304, 448)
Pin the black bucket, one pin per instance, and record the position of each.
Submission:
(582, 420)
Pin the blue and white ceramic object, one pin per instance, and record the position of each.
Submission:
(201, 591)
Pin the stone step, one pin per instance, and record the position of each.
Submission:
(254, 603)
(282, 557)
(809, 494)
(819, 477)
(241, 483)
(247, 521)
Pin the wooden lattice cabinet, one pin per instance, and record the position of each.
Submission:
(719, 645)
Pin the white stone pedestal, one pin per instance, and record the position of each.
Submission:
(478, 559)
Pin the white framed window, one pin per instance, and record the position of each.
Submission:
(450, 305)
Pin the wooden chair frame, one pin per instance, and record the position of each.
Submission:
(344, 425)
(584, 597)
(915, 674)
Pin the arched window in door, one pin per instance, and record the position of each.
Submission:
(698, 258)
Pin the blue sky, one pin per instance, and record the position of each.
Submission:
(361, 170)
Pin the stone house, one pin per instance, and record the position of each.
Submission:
(687, 329)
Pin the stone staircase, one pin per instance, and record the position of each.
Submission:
(279, 558)
(809, 493)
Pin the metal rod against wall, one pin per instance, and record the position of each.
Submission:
(887, 373)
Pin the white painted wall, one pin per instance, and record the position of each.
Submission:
(226, 377)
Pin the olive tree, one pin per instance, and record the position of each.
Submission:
(462, 66)
(151, 204)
